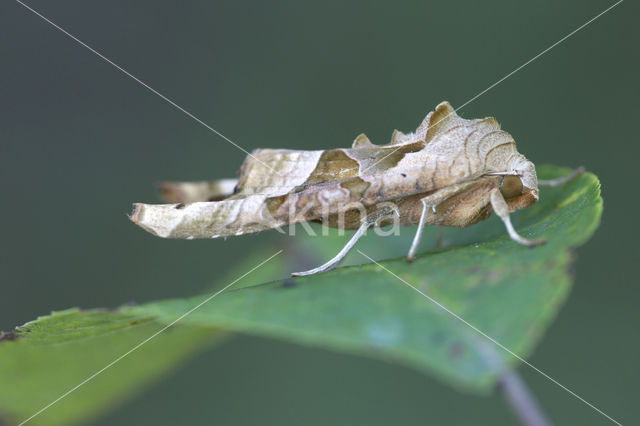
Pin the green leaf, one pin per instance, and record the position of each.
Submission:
(49, 356)
(45, 358)
(507, 291)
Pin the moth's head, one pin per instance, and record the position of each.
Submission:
(519, 184)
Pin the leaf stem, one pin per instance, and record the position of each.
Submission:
(521, 400)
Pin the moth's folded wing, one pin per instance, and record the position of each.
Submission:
(205, 219)
(275, 188)
(191, 192)
(275, 171)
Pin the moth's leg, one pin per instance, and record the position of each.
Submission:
(191, 192)
(371, 219)
(563, 179)
(340, 256)
(502, 209)
(430, 202)
(418, 236)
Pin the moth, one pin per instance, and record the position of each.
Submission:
(449, 172)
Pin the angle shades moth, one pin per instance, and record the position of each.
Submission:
(451, 172)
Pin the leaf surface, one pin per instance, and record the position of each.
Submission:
(504, 290)
(51, 355)
(490, 286)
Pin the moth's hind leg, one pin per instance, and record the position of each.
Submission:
(340, 256)
(370, 220)
(563, 179)
(191, 192)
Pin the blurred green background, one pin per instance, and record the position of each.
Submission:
(80, 141)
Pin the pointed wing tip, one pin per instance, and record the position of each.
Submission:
(145, 216)
(134, 216)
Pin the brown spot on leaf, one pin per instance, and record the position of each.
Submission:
(494, 275)
(288, 283)
(473, 270)
(456, 350)
(8, 335)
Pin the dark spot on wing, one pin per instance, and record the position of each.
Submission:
(274, 203)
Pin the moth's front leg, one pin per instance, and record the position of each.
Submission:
(502, 209)
(564, 179)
